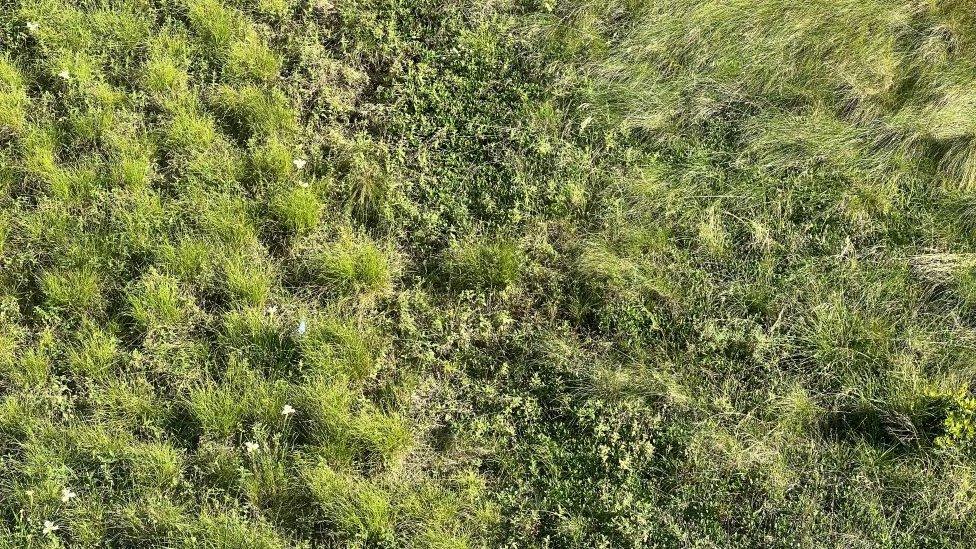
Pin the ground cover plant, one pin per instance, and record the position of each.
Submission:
(445, 273)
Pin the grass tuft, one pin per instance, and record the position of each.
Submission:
(485, 265)
(351, 264)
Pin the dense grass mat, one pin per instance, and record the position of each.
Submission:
(429, 273)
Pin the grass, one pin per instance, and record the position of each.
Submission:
(427, 273)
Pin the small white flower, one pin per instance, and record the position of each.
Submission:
(251, 447)
(303, 184)
(33, 26)
(65, 74)
(50, 527)
(299, 163)
(272, 309)
(67, 494)
(287, 410)
(302, 327)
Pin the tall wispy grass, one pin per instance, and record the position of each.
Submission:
(882, 89)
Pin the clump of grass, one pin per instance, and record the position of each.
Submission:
(166, 80)
(256, 336)
(385, 437)
(189, 131)
(75, 185)
(157, 302)
(151, 519)
(13, 100)
(358, 509)
(484, 264)
(338, 349)
(297, 210)
(156, 465)
(327, 406)
(132, 167)
(351, 264)
(34, 362)
(228, 529)
(192, 261)
(250, 59)
(216, 25)
(76, 290)
(128, 401)
(95, 355)
(218, 409)
(272, 161)
(250, 111)
(249, 280)
(227, 220)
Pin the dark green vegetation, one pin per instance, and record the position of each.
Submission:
(429, 273)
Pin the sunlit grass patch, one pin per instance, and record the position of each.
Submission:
(189, 131)
(226, 219)
(357, 508)
(298, 210)
(75, 290)
(484, 264)
(95, 355)
(130, 402)
(271, 161)
(216, 24)
(165, 75)
(157, 302)
(249, 280)
(13, 100)
(340, 349)
(229, 529)
(250, 59)
(249, 111)
(193, 261)
(350, 264)
(218, 409)
(259, 337)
